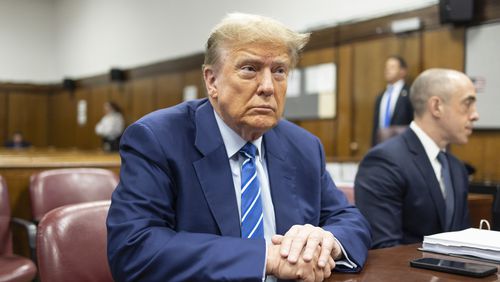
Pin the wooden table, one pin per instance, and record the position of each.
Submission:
(393, 264)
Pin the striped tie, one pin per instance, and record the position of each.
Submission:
(251, 205)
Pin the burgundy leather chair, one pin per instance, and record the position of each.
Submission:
(71, 243)
(348, 192)
(12, 267)
(50, 189)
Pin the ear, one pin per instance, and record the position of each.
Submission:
(435, 106)
(209, 76)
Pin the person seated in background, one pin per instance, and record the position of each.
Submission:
(111, 126)
(206, 186)
(392, 105)
(17, 141)
(410, 186)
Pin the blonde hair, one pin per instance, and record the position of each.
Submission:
(239, 29)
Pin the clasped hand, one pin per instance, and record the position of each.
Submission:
(305, 252)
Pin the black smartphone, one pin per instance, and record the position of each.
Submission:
(456, 267)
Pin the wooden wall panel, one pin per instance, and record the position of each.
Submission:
(195, 77)
(62, 120)
(142, 98)
(481, 152)
(169, 89)
(3, 116)
(324, 129)
(326, 55)
(345, 102)
(27, 112)
(82, 132)
(117, 92)
(368, 82)
(444, 48)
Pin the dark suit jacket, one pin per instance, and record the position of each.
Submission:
(403, 111)
(398, 192)
(174, 215)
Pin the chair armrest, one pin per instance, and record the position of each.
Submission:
(30, 228)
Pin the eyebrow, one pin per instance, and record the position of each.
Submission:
(469, 98)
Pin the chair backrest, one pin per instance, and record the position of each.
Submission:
(71, 243)
(57, 187)
(5, 233)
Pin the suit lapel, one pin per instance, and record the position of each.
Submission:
(458, 186)
(214, 173)
(282, 183)
(427, 172)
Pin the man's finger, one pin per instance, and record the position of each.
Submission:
(327, 246)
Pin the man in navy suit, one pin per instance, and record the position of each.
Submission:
(393, 106)
(409, 186)
(178, 213)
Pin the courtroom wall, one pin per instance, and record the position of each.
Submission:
(358, 50)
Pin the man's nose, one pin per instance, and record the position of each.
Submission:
(266, 86)
(474, 115)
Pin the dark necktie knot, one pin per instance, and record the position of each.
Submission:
(249, 150)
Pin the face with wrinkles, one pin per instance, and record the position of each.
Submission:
(247, 87)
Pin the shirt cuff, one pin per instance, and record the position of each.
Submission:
(345, 261)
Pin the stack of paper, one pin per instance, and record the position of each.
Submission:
(474, 242)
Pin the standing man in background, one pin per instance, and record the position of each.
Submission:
(111, 126)
(223, 189)
(393, 106)
(411, 186)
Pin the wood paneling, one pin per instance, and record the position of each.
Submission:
(326, 55)
(325, 130)
(444, 48)
(359, 49)
(62, 120)
(3, 116)
(345, 102)
(169, 89)
(482, 152)
(195, 77)
(83, 132)
(27, 112)
(118, 94)
(142, 98)
(368, 81)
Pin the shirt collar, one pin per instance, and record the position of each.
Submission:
(398, 84)
(430, 147)
(232, 141)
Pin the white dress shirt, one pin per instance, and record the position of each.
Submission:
(110, 126)
(396, 90)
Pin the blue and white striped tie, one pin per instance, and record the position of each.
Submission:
(252, 225)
